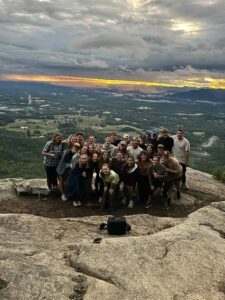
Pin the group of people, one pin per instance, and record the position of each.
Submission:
(118, 171)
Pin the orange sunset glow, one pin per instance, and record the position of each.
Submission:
(194, 82)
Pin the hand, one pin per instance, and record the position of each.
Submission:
(52, 155)
(152, 187)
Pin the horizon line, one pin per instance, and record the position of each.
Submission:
(191, 82)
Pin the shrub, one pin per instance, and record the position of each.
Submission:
(219, 174)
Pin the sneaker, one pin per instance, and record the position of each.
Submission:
(79, 203)
(131, 204)
(75, 203)
(63, 197)
(124, 201)
(100, 199)
(165, 206)
(178, 194)
(148, 204)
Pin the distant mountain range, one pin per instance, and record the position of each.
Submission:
(213, 95)
(202, 94)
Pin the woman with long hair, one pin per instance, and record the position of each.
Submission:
(129, 178)
(52, 153)
(150, 151)
(64, 167)
(79, 181)
(143, 180)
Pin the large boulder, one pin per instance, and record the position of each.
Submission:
(162, 258)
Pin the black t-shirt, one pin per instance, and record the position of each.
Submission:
(166, 142)
(116, 143)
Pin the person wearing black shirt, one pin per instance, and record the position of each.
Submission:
(166, 140)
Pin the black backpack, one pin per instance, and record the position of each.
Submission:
(116, 225)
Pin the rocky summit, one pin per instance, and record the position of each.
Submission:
(160, 258)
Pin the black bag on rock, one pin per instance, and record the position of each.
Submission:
(116, 225)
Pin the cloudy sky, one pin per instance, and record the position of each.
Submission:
(164, 42)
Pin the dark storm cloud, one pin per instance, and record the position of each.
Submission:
(112, 36)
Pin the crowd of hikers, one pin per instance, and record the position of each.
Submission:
(119, 171)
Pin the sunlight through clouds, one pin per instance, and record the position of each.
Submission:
(186, 27)
(116, 39)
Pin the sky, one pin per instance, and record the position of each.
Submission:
(127, 42)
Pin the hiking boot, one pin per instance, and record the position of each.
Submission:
(75, 203)
(63, 197)
(178, 194)
(131, 204)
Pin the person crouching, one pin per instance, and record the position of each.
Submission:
(110, 180)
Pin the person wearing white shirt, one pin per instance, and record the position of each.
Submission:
(181, 151)
(134, 150)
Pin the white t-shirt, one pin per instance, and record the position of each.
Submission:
(134, 152)
(179, 148)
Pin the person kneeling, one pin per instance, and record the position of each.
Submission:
(110, 180)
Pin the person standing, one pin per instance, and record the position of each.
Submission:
(134, 150)
(114, 139)
(166, 140)
(181, 151)
(52, 153)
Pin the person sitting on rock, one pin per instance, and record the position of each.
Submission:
(110, 180)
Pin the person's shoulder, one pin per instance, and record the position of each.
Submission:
(48, 144)
(186, 140)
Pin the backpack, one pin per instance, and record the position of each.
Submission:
(116, 225)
